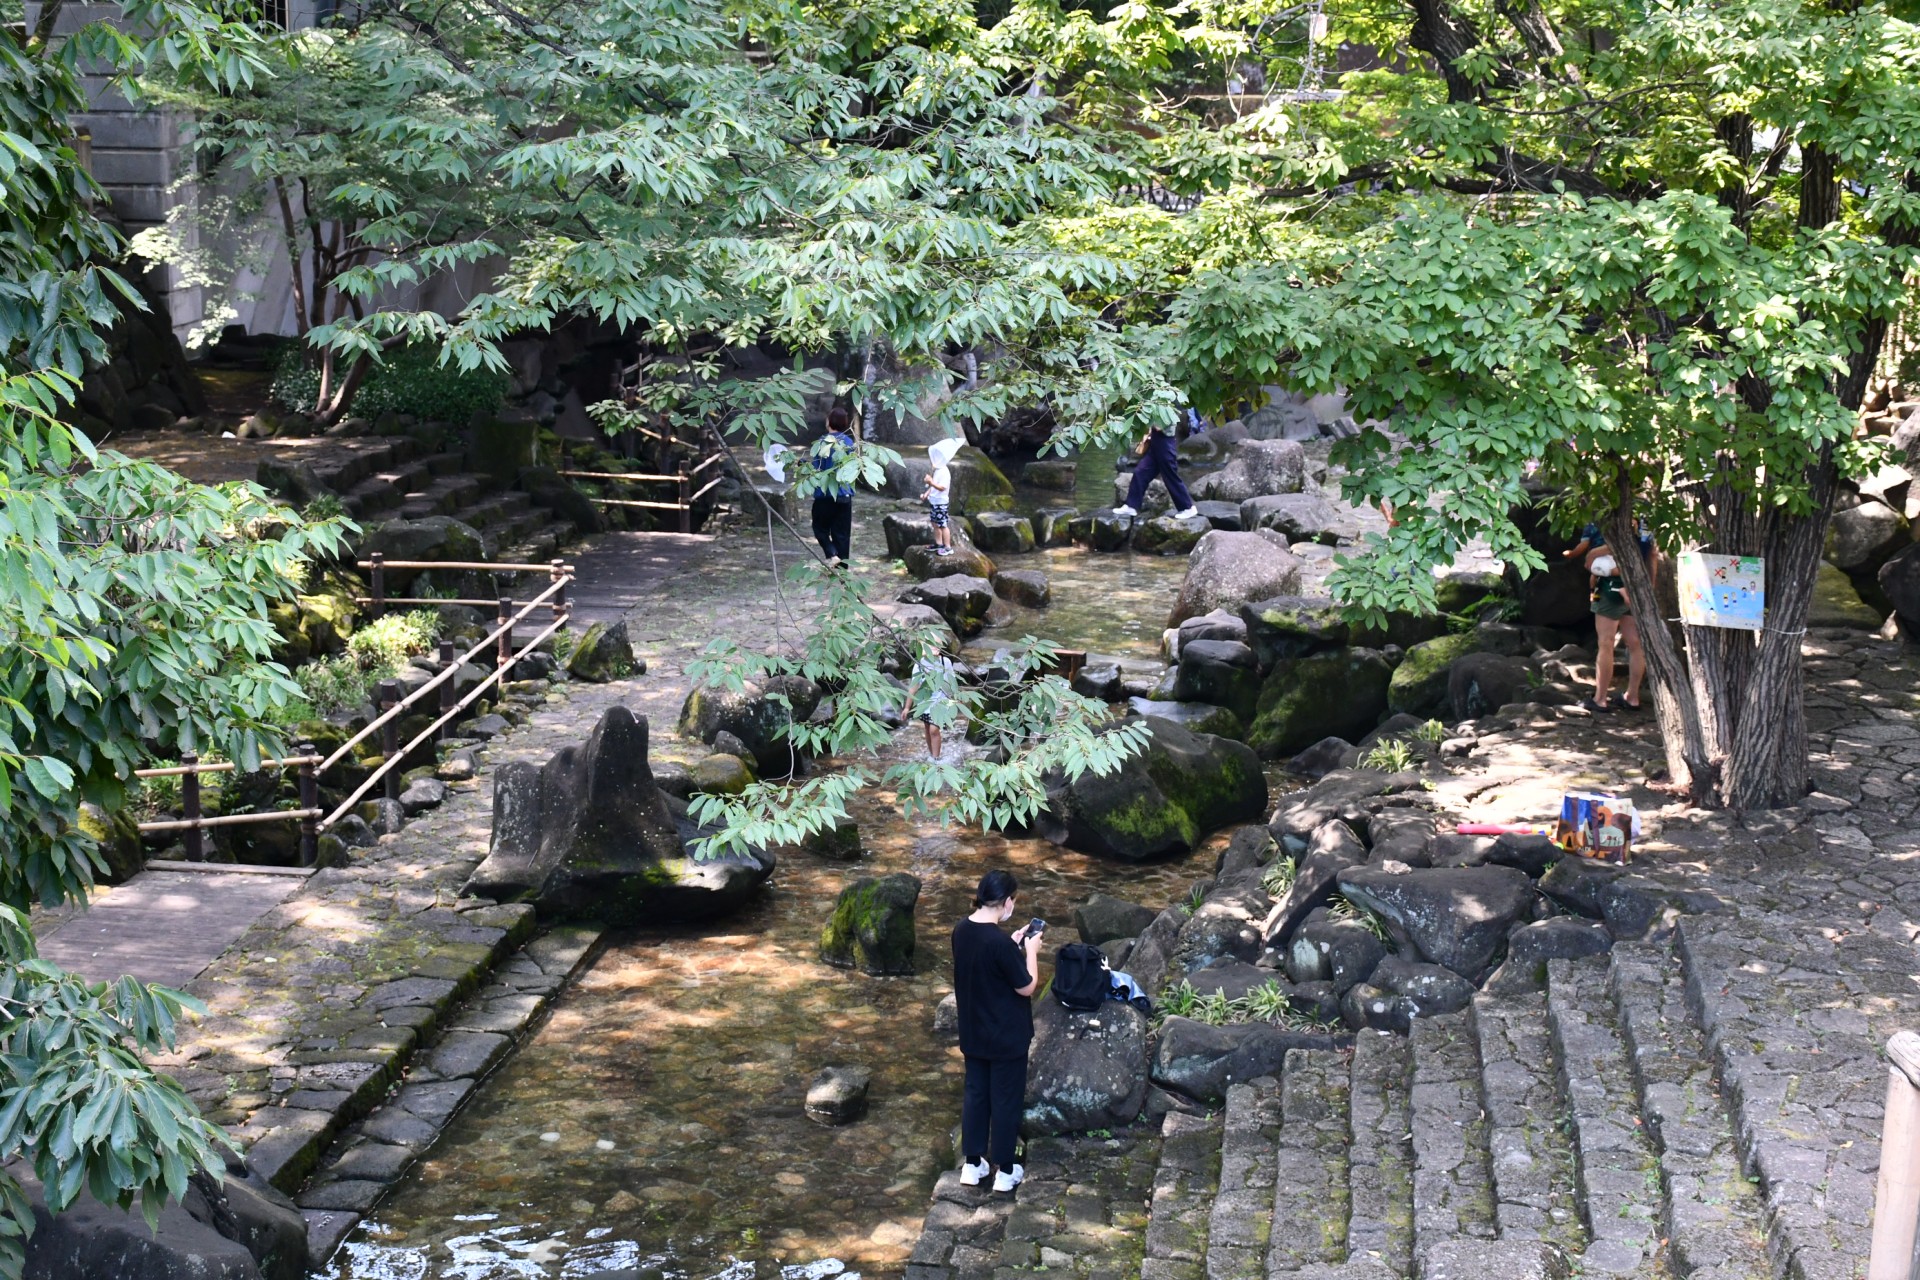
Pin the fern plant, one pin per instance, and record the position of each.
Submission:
(1390, 755)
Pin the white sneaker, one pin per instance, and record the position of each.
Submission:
(972, 1175)
(1008, 1179)
(1122, 510)
(1188, 514)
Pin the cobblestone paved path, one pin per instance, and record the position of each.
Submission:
(165, 925)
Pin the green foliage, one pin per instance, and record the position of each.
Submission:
(337, 685)
(1278, 877)
(564, 643)
(387, 642)
(326, 506)
(1432, 731)
(1267, 1003)
(1389, 755)
(1345, 908)
(409, 379)
(1031, 727)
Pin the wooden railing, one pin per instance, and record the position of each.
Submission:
(1896, 1212)
(390, 704)
(685, 495)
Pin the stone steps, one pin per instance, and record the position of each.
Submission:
(1527, 1123)
(1380, 1162)
(1184, 1186)
(1083, 1206)
(1241, 1222)
(350, 462)
(1452, 1166)
(1710, 1213)
(1311, 1198)
(1617, 1173)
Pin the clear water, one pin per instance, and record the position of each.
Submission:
(656, 1121)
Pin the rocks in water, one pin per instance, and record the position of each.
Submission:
(838, 1095)
(1057, 474)
(758, 715)
(1220, 672)
(1002, 533)
(1153, 503)
(1195, 717)
(871, 928)
(1200, 1061)
(1836, 603)
(904, 529)
(1899, 580)
(1481, 683)
(1050, 526)
(1221, 515)
(1085, 1070)
(232, 1231)
(1453, 916)
(1103, 530)
(1027, 587)
(837, 842)
(1098, 680)
(1341, 693)
(422, 794)
(1162, 801)
(1859, 539)
(961, 599)
(966, 560)
(1302, 517)
(1103, 918)
(1169, 535)
(1255, 467)
(589, 835)
(1218, 625)
(1228, 570)
(720, 774)
(604, 653)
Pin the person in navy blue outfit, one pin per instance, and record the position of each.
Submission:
(833, 505)
(1159, 457)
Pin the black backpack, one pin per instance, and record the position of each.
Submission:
(1080, 980)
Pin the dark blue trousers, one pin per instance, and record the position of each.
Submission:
(1161, 460)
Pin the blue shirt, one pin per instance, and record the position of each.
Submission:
(829, 451)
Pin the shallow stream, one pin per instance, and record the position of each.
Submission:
(656, 1120)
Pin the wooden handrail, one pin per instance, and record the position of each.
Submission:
(446, 673)
(701, 491)
(646, 476)
(711, 459)
(227, 820)
(1896, 1212)
(635, 502)
(463, 565)
(478, 604)
(222, 766)
(446, 717)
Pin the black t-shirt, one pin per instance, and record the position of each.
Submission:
(989, 967)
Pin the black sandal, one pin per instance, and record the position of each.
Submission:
(1619, 702)
(1596, 707)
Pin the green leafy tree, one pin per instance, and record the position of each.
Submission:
(1650, 251)
(134, 615)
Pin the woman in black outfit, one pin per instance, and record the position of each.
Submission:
(994, 978)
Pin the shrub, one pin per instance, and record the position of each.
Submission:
(411, 380)
(336, 685)
(386, 643)
(1389, 756)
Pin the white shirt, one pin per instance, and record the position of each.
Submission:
(939, 484)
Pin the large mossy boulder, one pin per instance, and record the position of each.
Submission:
(1341, 693)
(1194, 717)
(1162, 801)
(961, 599)
(1170, 535)
(589, 835)
(1419, 684)
(757, 715)
(604, 653)
(1255, 467)
(1228, 570)
(1003, 533)
(1292, 627)
(966, 560)
(871, 928)
(428, 538)
(117, 837)
(1220, 672)
(1085, 1070)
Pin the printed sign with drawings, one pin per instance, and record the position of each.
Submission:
(1722, 591)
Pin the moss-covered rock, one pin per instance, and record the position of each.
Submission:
(1162, 801)
(721, 775)
(871, 928)
(1419, 685)
(604, 653)
(117, 837)
(1837, 604)
(1337, 694)
(1292, 627)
